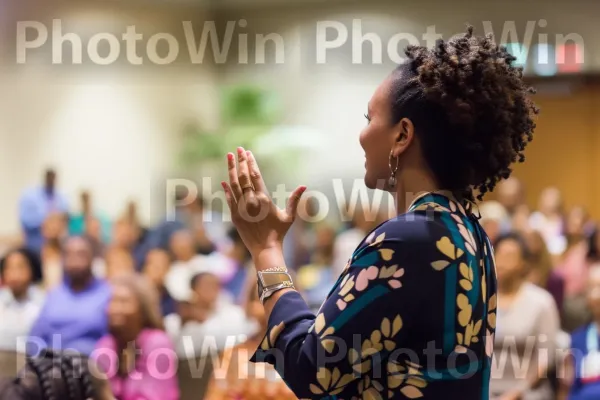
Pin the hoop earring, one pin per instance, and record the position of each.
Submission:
(392, 179)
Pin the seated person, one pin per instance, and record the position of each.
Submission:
(235, 377)
(208, 315)
(20, 298)
(582, 366)
(71, 316)
(155, 269)
(145, 366)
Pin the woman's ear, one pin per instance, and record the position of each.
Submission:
(403, 136)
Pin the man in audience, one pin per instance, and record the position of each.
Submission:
(78, 223)
(36, 205)
(156, 268)
(73, 316)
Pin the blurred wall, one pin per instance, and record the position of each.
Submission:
(114, 129)
(110, 129)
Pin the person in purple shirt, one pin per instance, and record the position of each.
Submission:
(72, 317)
(34, 207)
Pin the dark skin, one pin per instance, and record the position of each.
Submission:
(77, 258)
(17, 274)
(125, 322)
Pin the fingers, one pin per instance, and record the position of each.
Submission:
(243, 171)
(236, 190)
(292, 205)
(229, 196)
(255, 175)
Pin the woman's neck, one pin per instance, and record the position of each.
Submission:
(414, 184)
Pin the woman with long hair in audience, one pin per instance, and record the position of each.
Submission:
(242, 380)
(144, 367)
(541, 272)
(582, 366)
(21, 298)
(526, 317)
(57, 376)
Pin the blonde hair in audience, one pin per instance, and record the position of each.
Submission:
(147, 294)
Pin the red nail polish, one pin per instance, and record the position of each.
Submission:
(240, 150)
(229, 156)
(248, 153)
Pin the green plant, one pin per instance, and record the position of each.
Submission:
(247, 113)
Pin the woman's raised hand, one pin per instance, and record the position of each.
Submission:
(261, 224)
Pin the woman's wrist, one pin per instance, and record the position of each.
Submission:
(268, 258)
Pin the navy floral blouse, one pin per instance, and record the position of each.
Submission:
(412, 316)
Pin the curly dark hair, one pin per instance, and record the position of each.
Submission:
(470, 108)
(53, 376)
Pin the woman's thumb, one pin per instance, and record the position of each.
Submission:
(292, 205)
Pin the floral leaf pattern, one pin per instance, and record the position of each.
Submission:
(388, 287)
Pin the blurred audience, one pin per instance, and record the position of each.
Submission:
(35, 205)
(21, 299)
(186, 264)
(186, 289)
(526, 318)
(542, 272)
(362, 222)
(511, 195)
(317, 278)
(549, 220)
(155, 269)
(144, 366)
(208, 315)
(72, 316)
(582, 370)
(79, 224)
(493, 218)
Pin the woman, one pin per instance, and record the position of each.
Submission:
(582, 372)
(528, 325)
(442, 136)
(541, 270)
(20, 298)
(57, 376)
(239, 379)
(137, 355)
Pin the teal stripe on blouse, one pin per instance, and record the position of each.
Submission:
(473, 294)
(359, 304)
(451, 374)
(450, 296)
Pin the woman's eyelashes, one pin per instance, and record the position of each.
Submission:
(368, 117)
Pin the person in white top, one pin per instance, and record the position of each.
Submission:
(20, 298)
(208, 322)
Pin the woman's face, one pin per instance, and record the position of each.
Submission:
(377, 137)
(124, 309)
(17, 273)
(510, 264)
(550, 201)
